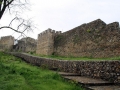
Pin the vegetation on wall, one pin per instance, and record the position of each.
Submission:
(76, 39)
(88, 30)
(58, 40)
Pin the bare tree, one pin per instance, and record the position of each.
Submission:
(24, 25)
(9, 4)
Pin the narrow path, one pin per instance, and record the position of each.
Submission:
(90, 83)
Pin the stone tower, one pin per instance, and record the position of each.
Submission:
(45, 43)
(6, 43)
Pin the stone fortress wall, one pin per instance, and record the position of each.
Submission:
(94, 39)
(30, 44)
(25, 45)
(6, 43)
(45, 43)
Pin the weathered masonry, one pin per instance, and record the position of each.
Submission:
(6, 43)
(45, 43)
(105, 70)
(94, 39)
(25, 45)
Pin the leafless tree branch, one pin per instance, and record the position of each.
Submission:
(10, 28)
(23, 25)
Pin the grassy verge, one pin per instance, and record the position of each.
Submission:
(18, 75)
(75, 58)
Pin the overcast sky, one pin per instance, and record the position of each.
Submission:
(63, 15)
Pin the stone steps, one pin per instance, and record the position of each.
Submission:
(111, 87)
(68, 74)
(90, 83)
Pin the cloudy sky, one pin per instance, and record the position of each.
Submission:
(63, 15)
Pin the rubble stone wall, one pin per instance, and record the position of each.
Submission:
(106, 70)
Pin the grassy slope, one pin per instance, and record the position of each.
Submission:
(18, 75)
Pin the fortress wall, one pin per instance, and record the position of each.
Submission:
(6, 43)
(45, 43)
(26, 45)
(94, 39)
(31, 44)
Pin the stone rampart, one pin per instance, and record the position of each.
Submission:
(25, 45)
(45, 43)
(94, 39)
(6, 43)
(106, 70)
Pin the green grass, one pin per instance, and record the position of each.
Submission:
(76, 58)
(18, 75)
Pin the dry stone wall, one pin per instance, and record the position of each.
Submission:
(106, 70)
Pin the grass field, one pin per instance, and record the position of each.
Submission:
(18, 75)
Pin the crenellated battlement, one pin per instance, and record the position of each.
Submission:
(46, 32)
(49, 31)
(45, 43)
